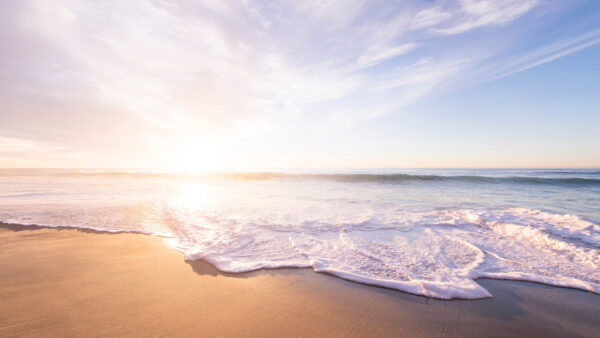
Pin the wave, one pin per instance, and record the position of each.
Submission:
(428, 232)
(437, 254)
(567, 177)
(392, 178)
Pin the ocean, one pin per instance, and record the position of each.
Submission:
(429, 232)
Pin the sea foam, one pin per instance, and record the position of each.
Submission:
(428, 237)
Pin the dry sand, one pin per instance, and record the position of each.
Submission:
(67, 282)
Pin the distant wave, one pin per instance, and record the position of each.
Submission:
(461, 178)
(424, 231)
(570, 177)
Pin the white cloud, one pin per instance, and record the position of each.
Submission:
(19, 152)
(14, 145)
(378, 54)
(549, 53)
(429, 17)
(480, 13)
(209, 68)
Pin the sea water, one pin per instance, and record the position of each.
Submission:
(424, 231)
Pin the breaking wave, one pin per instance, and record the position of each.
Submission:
(426, 237)
(437, 254)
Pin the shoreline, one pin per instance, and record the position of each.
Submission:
(70, 281)
(19, 227)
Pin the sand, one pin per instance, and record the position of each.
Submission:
(67, 282)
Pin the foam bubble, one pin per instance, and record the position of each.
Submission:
(414, 238)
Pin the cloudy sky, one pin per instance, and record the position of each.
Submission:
(299, 84)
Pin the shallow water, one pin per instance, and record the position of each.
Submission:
(424, 231)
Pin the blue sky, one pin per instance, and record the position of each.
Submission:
(545, 116)
(208, 85)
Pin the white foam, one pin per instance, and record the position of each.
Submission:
(439, 255)
(369, 233)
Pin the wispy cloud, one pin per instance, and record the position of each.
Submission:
(209, 68)
(547, 53)
(24, 152)
(472, 14)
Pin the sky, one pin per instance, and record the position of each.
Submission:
(250, 85)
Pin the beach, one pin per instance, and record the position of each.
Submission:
(300, 168)
(74, 282)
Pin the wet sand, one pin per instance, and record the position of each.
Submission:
(66, 282)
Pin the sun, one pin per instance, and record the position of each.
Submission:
(197, 156)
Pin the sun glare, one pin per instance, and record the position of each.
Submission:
(197, 157)
(193, 196)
